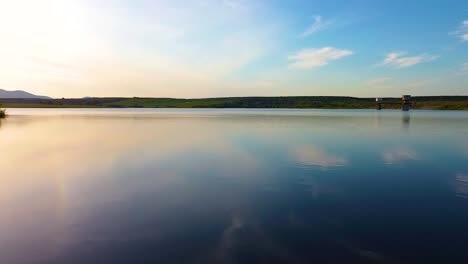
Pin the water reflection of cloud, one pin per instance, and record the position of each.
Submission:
(254, 236)
(312, 156)
(398, 154)
(368, 255)
(228, 238)
(59, 154)
(136, 168)
(61, 168)
(461, 185)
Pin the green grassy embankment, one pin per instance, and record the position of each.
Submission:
(289, 102)
(248, 102)
(39, 105)
(301, 102)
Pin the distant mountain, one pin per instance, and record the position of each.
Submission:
(4, 94)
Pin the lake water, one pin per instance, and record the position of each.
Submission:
(233, 186)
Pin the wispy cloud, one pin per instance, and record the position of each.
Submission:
(318, 25)
(462, 31)
(378, 82)
(236, 5)
(231, 4)
(464, 69)
(312, 58)
(391, 87)
(398, 60)
(161, 48)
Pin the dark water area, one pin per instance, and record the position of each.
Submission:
(233, 186)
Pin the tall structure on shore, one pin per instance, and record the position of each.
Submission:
(406, 102)
(378, 103)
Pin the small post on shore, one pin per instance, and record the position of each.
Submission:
(406, 102)
(378, 102)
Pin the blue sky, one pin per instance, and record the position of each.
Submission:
(208, 48)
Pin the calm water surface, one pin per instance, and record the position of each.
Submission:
(233, 186)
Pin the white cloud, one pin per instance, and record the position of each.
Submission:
(462, 31)
(311, 58)
(318, 25)
(397, 59)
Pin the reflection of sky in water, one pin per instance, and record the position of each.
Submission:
(233, 186)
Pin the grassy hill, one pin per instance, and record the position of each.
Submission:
(329, 102)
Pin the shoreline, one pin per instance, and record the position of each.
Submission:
(293, 102)
(230, 109)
